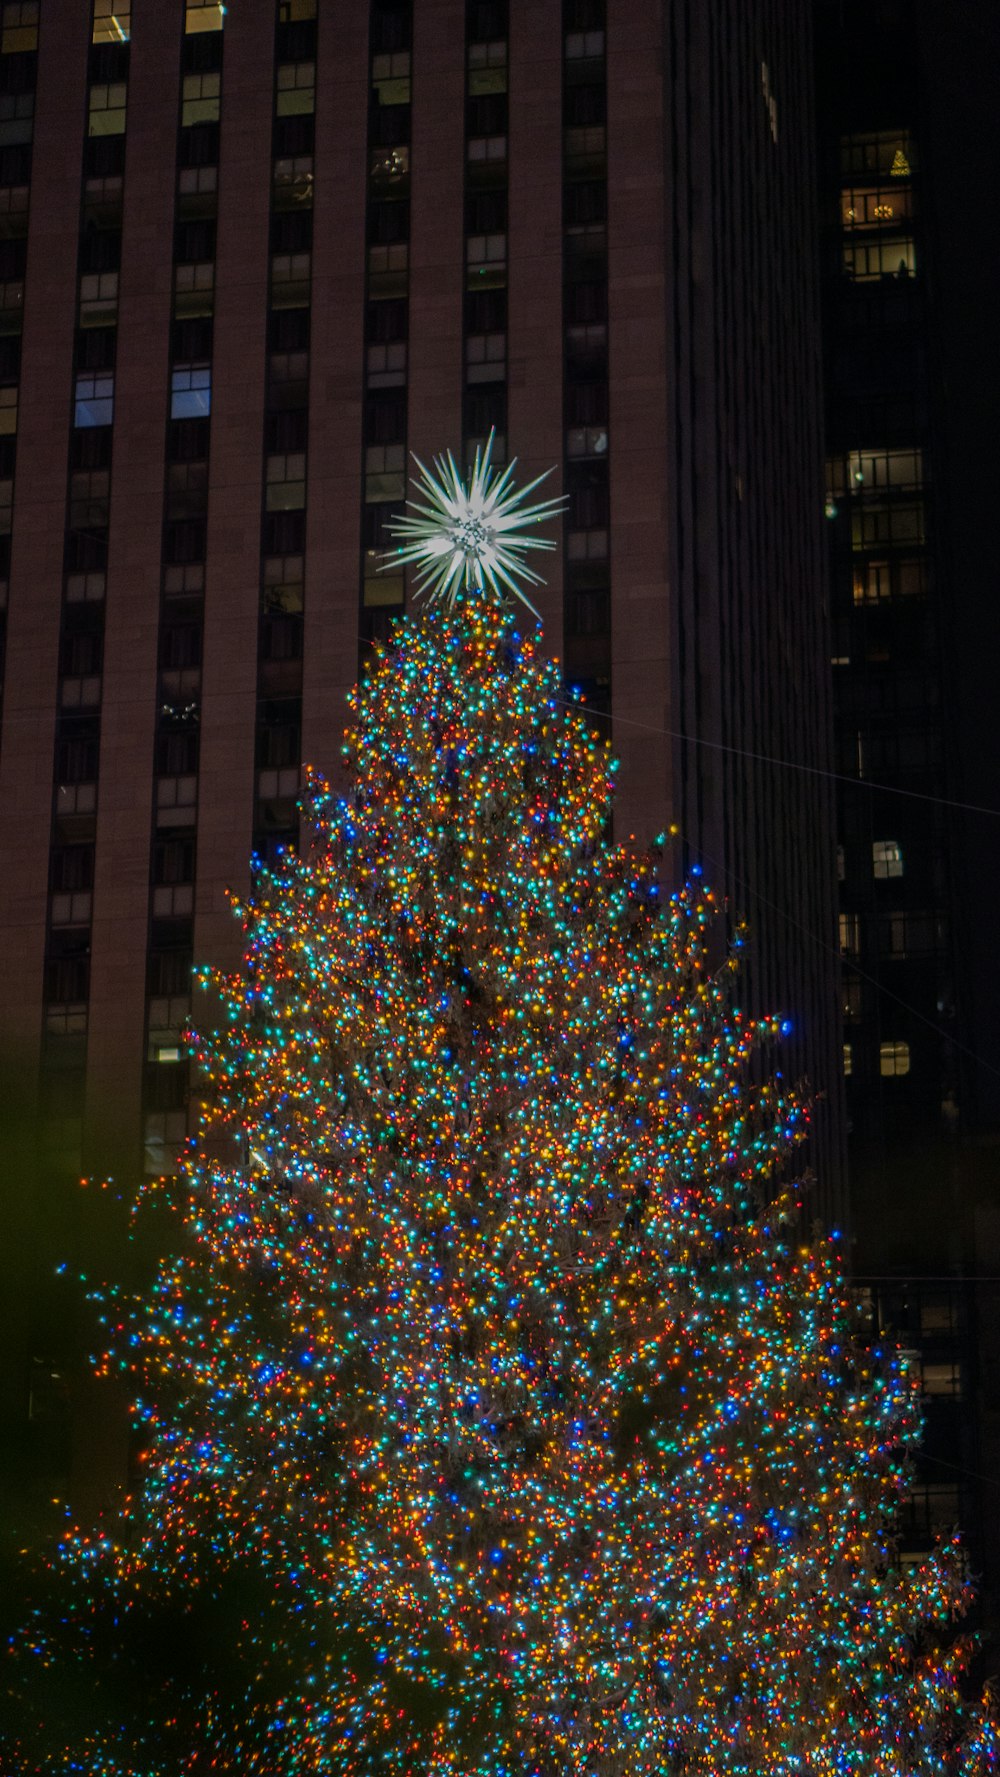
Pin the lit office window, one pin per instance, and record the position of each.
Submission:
(19, 27)
(887, 858)
(201, 99)
(107, 108)
(296, 96)
(893, 1059)
(887, 154)
(204, 15)
(850, 934)
(112, 21)
(892, 257)
(190, 391)
(487, 67)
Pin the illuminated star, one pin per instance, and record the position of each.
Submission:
(473, 534)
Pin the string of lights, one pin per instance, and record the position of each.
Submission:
(492, 1408)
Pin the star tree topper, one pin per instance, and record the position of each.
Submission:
(473, 534)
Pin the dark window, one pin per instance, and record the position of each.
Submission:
(278, 734)
(388, 125)
(177, 753)
(284, 533)
(585, 105)
(169, 971)
(486, 20)
(104, 157)
(184, 540)
(173, 860)
(77, 754)
(194, 242)
(387, 322)
(180, 646)
(293, 136)
(199, 145)
(486, 311)
(187, 441)
(390, 29)
(388, 223)
(292, 231)
(71, 868)
(287, 431)
(385, 418)
(486, 115)
(288, 330)
(587, 303)
(486, 212)
(586, 200)
(67, 980)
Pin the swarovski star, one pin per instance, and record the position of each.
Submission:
(473, 534)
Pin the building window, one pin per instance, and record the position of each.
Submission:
(866, 260)
(286, 482)
(887, 859)
(200, 103)
(485, 357)
(486, 260)
(204, 15)
(17, 116)
(584, 46)
(848, 1061)
(290, 280)
(850, 934)
(391, 78)
(893, 1059)
(99, 299)
(387, 365)
(876, 206)
(866, 469)
(385, 472)
(293, 182)
(95, 400)
(851, 998)
(887, 154)
(941, 1379)
(194, 289)
(912, 934)
(107, 109)
(190, 391)
(296, 95)
(19, 27)
(487, 67)
(875, 581)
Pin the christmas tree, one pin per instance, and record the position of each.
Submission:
(495, 1417)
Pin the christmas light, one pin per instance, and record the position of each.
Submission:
(494, 1415)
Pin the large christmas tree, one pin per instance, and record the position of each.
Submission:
(496, 1418)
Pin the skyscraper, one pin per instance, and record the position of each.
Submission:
(910, 298)
(255, 255)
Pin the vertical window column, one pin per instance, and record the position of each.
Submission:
(386, 309)
(173, 846)
(18, 68)
(484, 405)
(286, 440)
(587, 639)
(81, 640)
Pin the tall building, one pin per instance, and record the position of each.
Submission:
(255, 255)
(911, 293)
